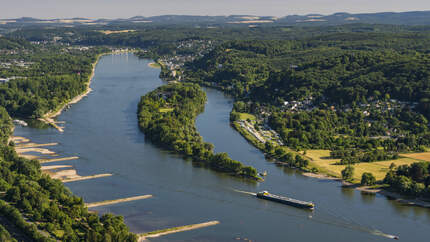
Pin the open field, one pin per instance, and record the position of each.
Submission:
(166, 110)
(425, 156)
(320, 160)
(154, 65)
(252, 22)
(245, 116)
(107, 32)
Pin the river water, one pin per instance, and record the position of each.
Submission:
(102, 130)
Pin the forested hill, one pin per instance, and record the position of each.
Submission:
(336, 69)
(13, 44)
(400, 18)
(361, 91)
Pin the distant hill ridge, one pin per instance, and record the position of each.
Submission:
(397, 18)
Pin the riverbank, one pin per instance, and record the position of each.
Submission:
(372, 190)
(48, 118)
(328, 175)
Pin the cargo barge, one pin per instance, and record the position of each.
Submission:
(285, 200)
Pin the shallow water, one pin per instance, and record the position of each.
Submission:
(102, 130)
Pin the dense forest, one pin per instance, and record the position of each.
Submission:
(167, 117)
(363, 91)
(42, 77)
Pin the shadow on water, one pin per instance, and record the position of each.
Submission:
(367, 198)
(348, 193)
(37, 124)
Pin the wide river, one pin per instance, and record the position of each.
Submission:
(102, 130)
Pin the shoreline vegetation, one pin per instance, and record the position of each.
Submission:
(320, 174)
(48, 118)
(167, 117)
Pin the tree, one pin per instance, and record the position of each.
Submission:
(348, 173)
(392, 167)
(367, 179)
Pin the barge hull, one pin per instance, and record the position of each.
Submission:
(287, 201)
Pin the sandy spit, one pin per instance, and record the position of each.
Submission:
(39, 150)
(82, 178)
(122, 200)
(42, 161)
(178, 229)
(44, 168)
(34, 145)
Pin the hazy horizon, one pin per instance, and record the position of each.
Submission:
(95, 9)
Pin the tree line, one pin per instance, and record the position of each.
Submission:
(412, 180)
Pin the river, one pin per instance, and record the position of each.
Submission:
(102, 130)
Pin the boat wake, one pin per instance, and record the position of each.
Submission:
(335, 219)
(379, 233)
(245, 192)
(348, 223)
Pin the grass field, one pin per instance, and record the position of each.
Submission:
(424, 156)
(320, 160)
(245, 116)
(107, 32)
(165, 110)
(154, 65)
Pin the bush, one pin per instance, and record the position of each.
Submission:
(348, 173)
(367, 179)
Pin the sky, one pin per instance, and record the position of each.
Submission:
(130, 8)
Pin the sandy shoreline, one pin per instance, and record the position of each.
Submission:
(49, 117)
(320, 176)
